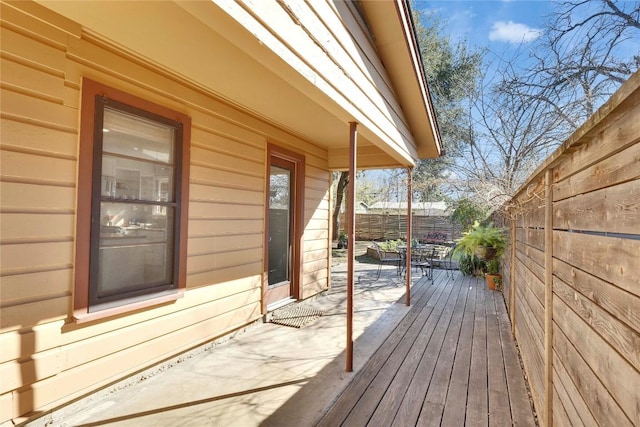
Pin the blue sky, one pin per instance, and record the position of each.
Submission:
(497, 25)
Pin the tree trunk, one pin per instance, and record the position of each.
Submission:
(340, 190)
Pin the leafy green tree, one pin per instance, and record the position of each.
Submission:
(368, 189)
(466, 212)
(341, 187)
(366, 193)
(452, 71)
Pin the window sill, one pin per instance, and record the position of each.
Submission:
(82, 316)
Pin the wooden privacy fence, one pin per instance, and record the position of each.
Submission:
(572, 271)
(394, 226)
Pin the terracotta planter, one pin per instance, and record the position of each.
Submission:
(491, 280)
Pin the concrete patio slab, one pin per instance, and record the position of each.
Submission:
(245, 380)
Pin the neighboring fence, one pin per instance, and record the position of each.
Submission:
(392, 226)
(572, 271)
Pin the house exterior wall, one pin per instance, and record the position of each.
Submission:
(46, 359)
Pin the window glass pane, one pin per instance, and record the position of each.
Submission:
(279, 223)
(124, 178)
(135, 247)
(133, 197)
(135, 136)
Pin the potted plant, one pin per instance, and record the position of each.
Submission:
(485, 241)
(342, 240)
(470, 265)
(492, 276)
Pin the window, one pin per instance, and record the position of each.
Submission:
(132, 203)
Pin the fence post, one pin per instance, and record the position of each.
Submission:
(384, 227)
(513, 302)
(409, 236)
(548, 299)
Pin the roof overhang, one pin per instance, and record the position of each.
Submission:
(397, 45)
(251, 69)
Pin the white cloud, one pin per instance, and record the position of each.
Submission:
(513, 32)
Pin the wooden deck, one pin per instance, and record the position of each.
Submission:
(452, 361)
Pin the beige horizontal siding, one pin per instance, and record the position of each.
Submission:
(86, 378)
(315, 234)
(34, 256)
(218, 211)
(321, 211)
(240, 271)
(208, 227)
(30, 225)
(47, 359)
(316, 254)
(218, 261)
(214, 193)
(28, 133)
(317, 224)
(310, 38)
(28, 287)
(315, 262)
(315, 245)
(217, 139)
(235, 180)
(223, 243)
(35, 197)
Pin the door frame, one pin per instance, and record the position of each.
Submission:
(297, 220)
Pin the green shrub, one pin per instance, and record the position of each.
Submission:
(391, 245)
(479, 236)
(466, 213)
(493, 266)
(470, 265)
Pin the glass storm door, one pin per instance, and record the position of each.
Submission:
(280, 223)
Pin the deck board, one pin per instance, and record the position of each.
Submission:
(518, 398)
(451, 361)
(352, 393)
(419, 383)
(456, 402)
(477, 400)
(499, 410)
(403, 361)
(432, 410)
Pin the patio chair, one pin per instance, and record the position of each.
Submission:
(449, 263)
(422, 260)
(387, 258)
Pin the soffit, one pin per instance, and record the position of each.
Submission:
(252, 77)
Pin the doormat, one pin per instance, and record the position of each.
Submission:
(296, 316)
